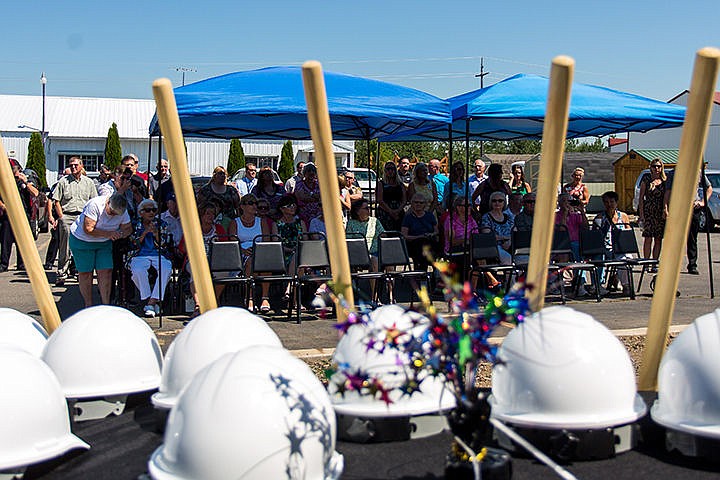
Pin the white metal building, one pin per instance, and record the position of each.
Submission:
(79, 126)
(670, 137)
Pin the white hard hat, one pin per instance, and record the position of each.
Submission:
(562, 369)
(259, 413)
(22, 331)
(390, 366)
(33, 412)
(104, 352)
(205, 339)
(689, 380)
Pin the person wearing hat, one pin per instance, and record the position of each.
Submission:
(28, 191)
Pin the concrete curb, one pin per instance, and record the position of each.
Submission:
(316, 354)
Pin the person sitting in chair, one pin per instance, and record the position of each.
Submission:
(149, 232)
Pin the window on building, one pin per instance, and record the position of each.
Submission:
(91, 161)
(261, 162)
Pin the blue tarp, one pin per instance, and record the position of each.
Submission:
(269, 103)
(514, 109)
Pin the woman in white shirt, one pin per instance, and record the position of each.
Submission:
(102, 220)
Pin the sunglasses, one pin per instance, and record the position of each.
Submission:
(497, 200)
(289, 205)
(250, 203)
(151, 209)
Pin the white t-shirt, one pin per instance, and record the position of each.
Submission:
(95, 210)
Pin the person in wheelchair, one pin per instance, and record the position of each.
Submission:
(149, 249)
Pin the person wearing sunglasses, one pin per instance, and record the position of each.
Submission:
(149, 249)
(500, 224)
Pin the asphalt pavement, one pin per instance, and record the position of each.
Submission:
(316, 336)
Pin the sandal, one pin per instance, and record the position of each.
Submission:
(265, 306)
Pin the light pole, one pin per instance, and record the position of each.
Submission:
(43, 82)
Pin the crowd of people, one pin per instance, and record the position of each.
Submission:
(125, 223)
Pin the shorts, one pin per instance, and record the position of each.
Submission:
(91, 256)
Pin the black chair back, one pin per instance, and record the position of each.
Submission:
(392, 252)
(624, 241)
(561, 242)
(484, 247)
(358, 252)
(592, 243)
(268, 255)
(312, 251)
(520, 242)
(225, 256)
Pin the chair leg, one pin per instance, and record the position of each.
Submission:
(298, 303)
(596, 281)
(642, 275)
(631, 284)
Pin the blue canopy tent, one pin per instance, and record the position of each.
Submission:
(269, 103)
(514, 109)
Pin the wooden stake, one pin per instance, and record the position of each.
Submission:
(26, 244)
(319, 119)
(553, 146)
(684, 189)
(170, 128)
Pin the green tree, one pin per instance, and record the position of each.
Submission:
(36, 157)
(113, 151)
(236, 157)
(286, 169)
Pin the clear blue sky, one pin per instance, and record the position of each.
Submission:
(117, 48)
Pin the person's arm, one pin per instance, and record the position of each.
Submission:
(345, 200)
(409, 193)
(434, 203)
(528, 187)
(303, 194)
(585, 195)
(641, 196)
(89, 227)
(379, 197)
(357, 195)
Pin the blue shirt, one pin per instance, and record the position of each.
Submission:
(440, 181)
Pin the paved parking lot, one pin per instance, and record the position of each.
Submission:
(317, 334)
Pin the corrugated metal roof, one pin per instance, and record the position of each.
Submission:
(77, 117)
(666, 155)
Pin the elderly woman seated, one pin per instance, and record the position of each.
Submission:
(149, 233)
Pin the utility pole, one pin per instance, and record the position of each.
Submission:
(183, 70)
(481, 75)
(43, 82)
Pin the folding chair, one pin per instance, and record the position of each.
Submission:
(360, 264)
(484, 249)
(227, 266)
(520, 250)
(312, 257)
(561, 246)
(392, 253)
(625, 243)
(592, 248)
(268, 265)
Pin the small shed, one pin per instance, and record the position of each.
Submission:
(630, 166)
(599, 176)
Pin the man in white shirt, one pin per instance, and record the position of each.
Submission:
(477, 178)
(290, 184)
